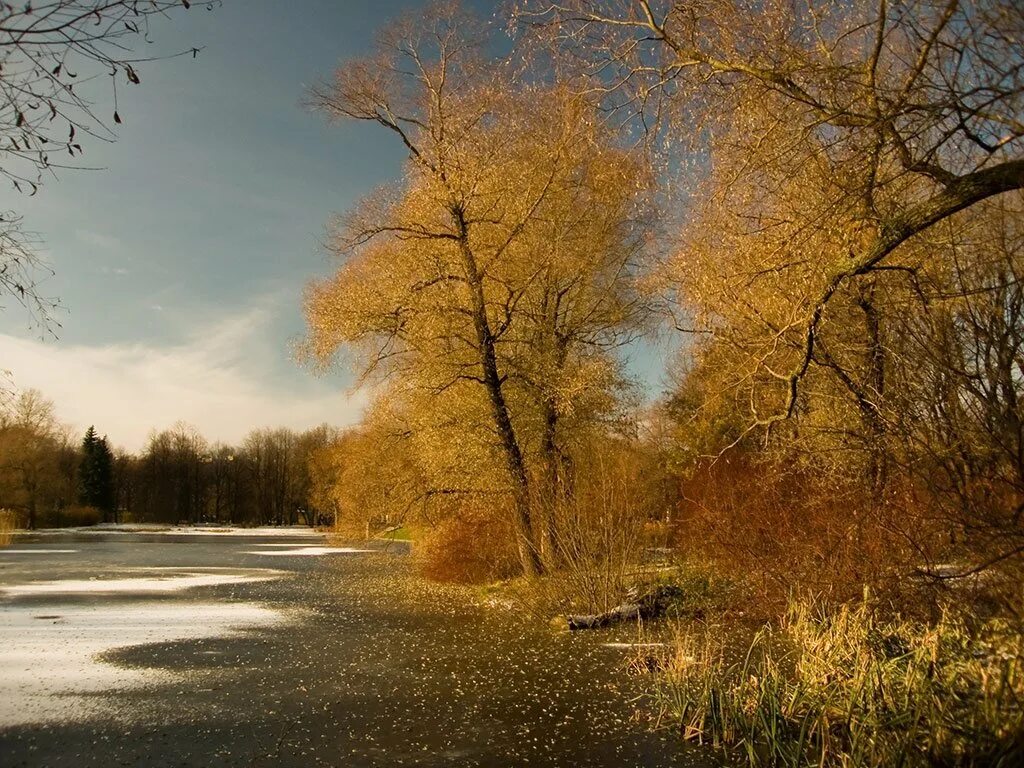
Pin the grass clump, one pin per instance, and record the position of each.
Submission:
(397, 533)
(847, 688)
(8, 524)
(702, 593)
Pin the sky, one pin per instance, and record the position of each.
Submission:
(180, 263)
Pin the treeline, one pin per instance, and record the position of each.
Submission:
(272, 478)
(50, 477)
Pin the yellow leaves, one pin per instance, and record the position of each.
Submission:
(548, 203)
(493, 283)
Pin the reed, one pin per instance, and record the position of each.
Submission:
(848, 688)
(8, 523)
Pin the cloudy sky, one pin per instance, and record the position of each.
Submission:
(180, 265)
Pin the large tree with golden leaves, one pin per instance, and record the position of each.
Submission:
(492, 284)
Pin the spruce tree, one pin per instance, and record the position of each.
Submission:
(106, 498)
(96, 474)
(87, 481)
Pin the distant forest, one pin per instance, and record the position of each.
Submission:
(50, 476)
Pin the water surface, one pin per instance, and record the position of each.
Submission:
(167, 650)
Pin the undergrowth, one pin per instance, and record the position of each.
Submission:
(845, 687)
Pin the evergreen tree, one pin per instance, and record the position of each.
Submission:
(96, 473)
(87, 469)
(106, 498)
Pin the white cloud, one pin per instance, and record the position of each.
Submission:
(220, 380)
(99, 240)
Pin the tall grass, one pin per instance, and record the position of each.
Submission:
(8, 523)
(845, 688)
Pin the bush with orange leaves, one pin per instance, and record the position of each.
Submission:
(472, 546)
(786, 529)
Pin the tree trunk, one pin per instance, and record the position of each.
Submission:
(553, 461)
(878, 457)
(527, 545)
(549, 505)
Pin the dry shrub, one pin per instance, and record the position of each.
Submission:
(8, 523)
(602, 529)
(471, 547)
(784, 529)
(603, 524)
(76, 516)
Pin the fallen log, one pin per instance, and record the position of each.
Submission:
(649, 606)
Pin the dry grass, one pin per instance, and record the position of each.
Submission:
(75, 516)
(8, 524)
(846, 688)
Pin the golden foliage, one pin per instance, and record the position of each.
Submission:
(485, 293)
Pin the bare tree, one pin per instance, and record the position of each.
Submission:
(22, 269)
(54, 58)
(50, 52)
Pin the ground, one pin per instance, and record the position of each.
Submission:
(175, 649)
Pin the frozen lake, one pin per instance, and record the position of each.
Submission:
(171, 648)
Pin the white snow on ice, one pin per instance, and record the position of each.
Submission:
(298, 531)
(49, 671)
(307, 551)
(276, 544)
(37, 551)
(168, 582)
(633, 645)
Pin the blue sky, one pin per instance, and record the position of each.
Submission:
(180, 265)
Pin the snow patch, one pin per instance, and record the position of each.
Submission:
(633, 645)
(37, 551)
(165, 582)
(49, 671)
(294, 531)
(276, 544)
(156, 529)
(307, 551)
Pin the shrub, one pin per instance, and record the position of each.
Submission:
(778, 528)
(468, 548)
(848, 689)
(600, 531)
(75, 516)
